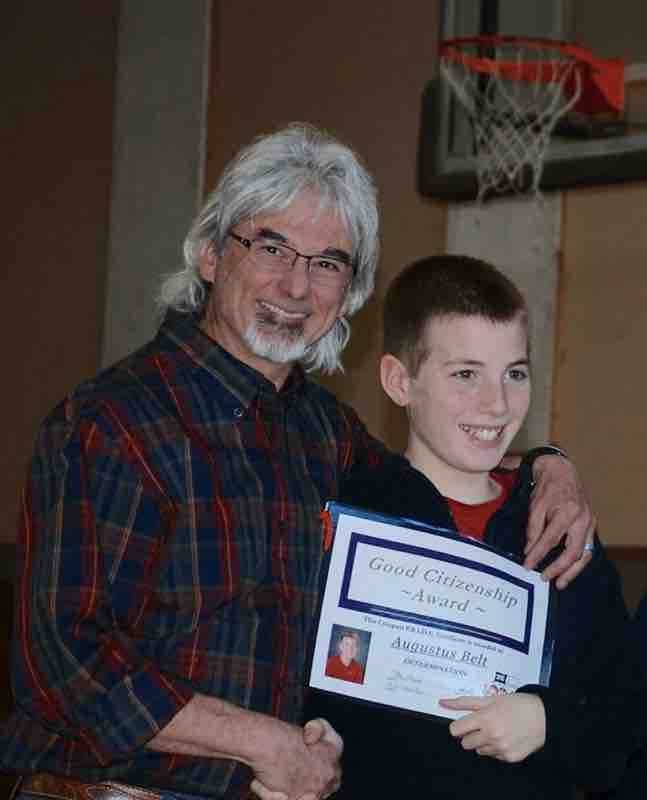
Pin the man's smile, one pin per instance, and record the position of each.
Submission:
(283, 313)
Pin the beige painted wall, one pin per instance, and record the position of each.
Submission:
(56, 164)
(357, 69)
(601, 388)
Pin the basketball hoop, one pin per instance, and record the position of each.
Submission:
(514, 91)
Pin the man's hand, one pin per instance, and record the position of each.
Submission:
(320, 729)
(289, 762)
(305, 768)
(508, 728)
(558, 507)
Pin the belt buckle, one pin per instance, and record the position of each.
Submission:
(59, 788)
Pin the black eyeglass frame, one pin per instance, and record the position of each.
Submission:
(247, 243)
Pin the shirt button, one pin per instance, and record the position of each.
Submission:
(238, 413)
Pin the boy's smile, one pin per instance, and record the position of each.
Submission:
(483, 433)
(467, 402)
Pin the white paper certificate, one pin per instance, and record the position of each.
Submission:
(411, 614)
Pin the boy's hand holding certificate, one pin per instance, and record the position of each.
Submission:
(412, 614)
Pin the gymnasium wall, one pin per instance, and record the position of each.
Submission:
(58, 78)
(359, 70)
(368, 92)
(600, 395)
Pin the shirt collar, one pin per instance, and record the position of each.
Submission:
(244, 382)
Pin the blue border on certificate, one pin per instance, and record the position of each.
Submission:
(335, 509)
(522, 646)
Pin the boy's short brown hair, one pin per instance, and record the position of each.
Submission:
(443, 286)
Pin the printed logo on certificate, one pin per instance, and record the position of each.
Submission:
(412, 614)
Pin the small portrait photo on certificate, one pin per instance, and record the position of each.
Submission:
(347, 653)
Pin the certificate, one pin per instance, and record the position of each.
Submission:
(412, 614)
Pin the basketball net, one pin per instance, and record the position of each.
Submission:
(513, 102)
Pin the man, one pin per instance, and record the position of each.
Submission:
(170, 545)
(344, 665)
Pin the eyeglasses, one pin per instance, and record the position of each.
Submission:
(274, 256)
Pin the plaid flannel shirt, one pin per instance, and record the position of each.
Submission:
(170, 543)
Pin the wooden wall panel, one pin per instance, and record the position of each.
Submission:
(57, 73)
(601, 382)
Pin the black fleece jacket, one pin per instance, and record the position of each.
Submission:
(594, 706)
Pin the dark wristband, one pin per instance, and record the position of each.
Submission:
(528, 461)
(545, 450)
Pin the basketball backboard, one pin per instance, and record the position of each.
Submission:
(574, 159)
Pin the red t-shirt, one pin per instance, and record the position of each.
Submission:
(335, 668)
(471, 520)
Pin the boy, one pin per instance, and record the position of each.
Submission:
(456, 358)
(344, 665)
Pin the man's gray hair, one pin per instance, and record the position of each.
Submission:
(265, 177)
